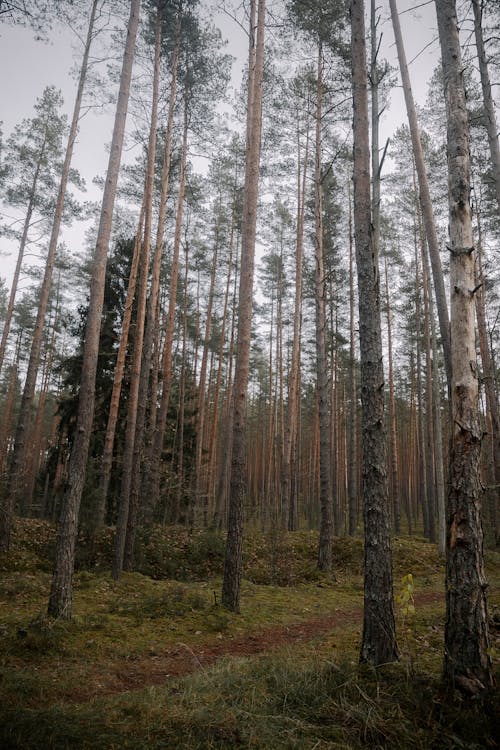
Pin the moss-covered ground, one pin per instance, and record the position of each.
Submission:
(154, 661)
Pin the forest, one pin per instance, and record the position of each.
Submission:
(249, 392)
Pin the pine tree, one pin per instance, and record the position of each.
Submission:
(238, 481)
(379, 633)
(33, 152)
(466, 662)
(19, 457)
(60, 600)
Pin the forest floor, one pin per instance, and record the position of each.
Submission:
(156, 667)
(154, 661)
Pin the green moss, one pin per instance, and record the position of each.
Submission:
(174, 601)
(307, 695)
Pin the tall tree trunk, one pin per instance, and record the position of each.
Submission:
(334, 404)
(8, 410)
(156, 447)
(377, 163)
(411, 484)
(19, 458)
(438, 422)
(224, 474)
(353, 396)
(488, 378)
(280, 408)
(114, 406)
(425, 197)
(22, 246)
(148, 394)
(7, 503)
(220, 358)
(33, 455)
(181, 418)
(35, 440)
(466, 634)
(429, 411)
(379, 633)
(488, 102)
(200, 502)
(422, 455)
(125, 509)
(268, 448)
(396, 505)
(238, 481)
(288, 494)
(61, 592)
(326, 498)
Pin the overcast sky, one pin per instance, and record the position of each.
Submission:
(27, 66)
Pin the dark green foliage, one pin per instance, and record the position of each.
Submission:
(33, 547)
(117, 275)
(179, 553)
(175, 552)
(325, 22)
(34, 149)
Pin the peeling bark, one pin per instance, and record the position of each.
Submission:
(466, 627)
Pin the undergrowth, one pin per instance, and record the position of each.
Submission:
(302, 700)
(176, 552)
(84, 683)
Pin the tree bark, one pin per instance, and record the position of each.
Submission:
(325, 477)
(60, 601)
(222, 491)
(34, 453)
(20, 255)
(8, 410)
(353, 396)
(422, 494)
(114, 406)
(466, 628)
(438, 423)
(200, 500)
(220, 358)
(146, 394)
(488, 102)
(125, 508)
(156, 447)
(175, 513)
(488, 378)
(8, 502)
(396, 504)
(280, 406)
(238, 481)
(428, 213)
(429, 411)
(375, 117)
(288, 494)
(379, 633)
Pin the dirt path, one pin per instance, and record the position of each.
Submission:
(153, 670)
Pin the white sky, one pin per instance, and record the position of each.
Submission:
(27, 66)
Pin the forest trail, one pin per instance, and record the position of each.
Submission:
(152, 670)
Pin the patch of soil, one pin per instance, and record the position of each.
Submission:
(156, 669)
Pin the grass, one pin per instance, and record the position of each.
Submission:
(304, 699)
(108, 678)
